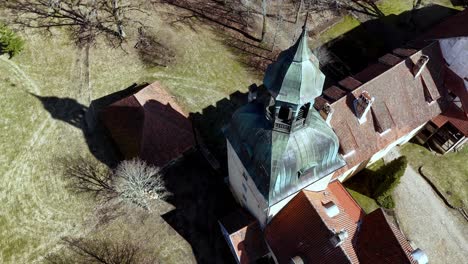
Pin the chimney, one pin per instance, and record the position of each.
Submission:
(327, 112)
(252, 92)
(297, 260)
(419, 66)
(338, 238)
(362, 105)
(419, 256)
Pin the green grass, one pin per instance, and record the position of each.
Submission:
(397, 7)
(358, 186)
(346, 24)
(368, 204)
(387, 7)
(448, 172)
(36, 208)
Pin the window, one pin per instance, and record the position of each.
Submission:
(284, 113)
(245, 176)
(244, 187)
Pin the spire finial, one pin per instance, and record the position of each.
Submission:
(304, 27)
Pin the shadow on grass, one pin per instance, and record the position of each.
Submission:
(354, 50)
(200, 197)
(72, 112)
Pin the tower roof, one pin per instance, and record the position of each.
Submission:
(295, 77)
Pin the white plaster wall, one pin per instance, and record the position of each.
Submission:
(377, 156)
(254, 202)
(319, 185)
(455, 51)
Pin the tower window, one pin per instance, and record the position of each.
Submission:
(285, 114)
(303, 111)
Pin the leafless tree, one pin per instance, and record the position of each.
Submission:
(151, 51)
(368, 7)
(101, 251)
(86, 19)
(137, 182)
(87, 175)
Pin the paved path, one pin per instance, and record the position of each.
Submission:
(430, 225)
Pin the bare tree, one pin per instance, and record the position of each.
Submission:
(87, 175)
(101, 251)
(137, 182)
(368, 7)
(151, 51)
(86, 19)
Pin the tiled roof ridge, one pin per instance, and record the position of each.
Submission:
(329, 227)
(364, 84)
(394, 229)
(347, 194)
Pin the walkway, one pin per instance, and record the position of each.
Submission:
(427, 222)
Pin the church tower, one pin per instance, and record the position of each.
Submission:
(278, 144)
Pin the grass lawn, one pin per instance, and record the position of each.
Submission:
(37, 210)
(368, 204)
(448, 172)
(387, 7)
(346, 24)
(358, 187)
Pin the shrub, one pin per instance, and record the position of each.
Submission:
(10, 43)
(386, 201)
(386, 179)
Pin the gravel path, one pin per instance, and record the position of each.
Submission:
(427, 222)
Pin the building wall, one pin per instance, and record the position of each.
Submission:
(247, 194)
(244, 189)
(379, 155)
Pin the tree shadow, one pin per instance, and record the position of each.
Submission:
(219, 13)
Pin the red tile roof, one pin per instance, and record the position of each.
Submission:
(349, 83)
(399, 107)
(454, 116)
(304, 229)
(245, 236)
(149, 124)
(379, 241)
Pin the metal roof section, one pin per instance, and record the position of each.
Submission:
(295, 77)
(283, 162)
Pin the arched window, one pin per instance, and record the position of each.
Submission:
(285, 114)
(303, 111)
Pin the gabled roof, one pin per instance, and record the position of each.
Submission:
(149, 124)
(303, 228)
(244, 236)
(400, 104)
(379, 241)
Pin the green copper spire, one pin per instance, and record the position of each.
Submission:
(295, 77)
(302, 49)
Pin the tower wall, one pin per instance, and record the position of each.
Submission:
(244, 189)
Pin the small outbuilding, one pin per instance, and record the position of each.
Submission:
(149, 124)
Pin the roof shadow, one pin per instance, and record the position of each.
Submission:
(356, 49)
